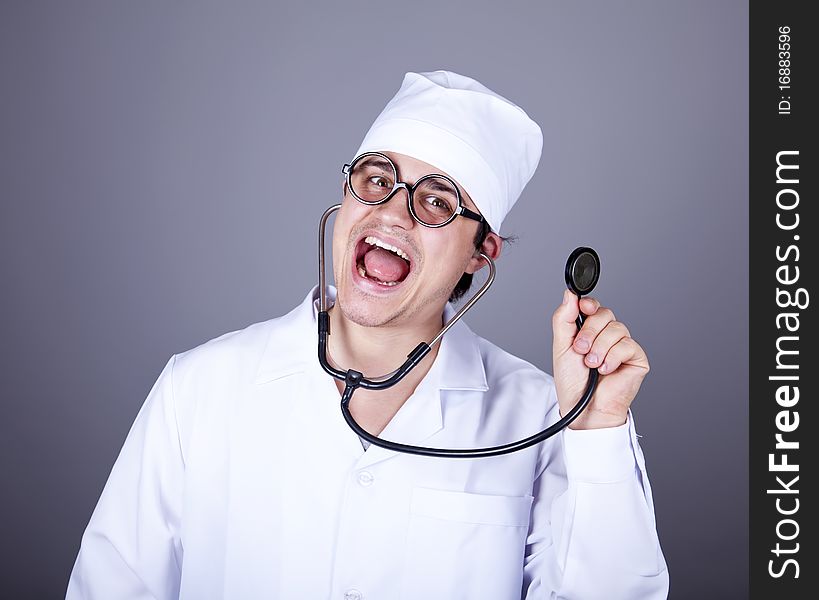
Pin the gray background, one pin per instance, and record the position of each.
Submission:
(155, 194)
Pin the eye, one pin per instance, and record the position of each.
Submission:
(437, 203)
(380, 181)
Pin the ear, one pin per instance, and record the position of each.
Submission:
(491, 247)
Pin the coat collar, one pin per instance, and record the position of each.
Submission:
(292, 347)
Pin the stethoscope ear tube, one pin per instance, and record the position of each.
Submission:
(580, 276)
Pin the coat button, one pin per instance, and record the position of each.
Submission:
(365, 478)
(353, 595)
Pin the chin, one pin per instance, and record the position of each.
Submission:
(365, 310)
(375, 310)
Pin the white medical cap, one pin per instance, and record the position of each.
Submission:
(489, 145)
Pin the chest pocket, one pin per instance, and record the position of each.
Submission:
(462, 545)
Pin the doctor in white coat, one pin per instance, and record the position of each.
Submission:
(240, 479)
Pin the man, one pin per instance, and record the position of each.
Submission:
(240, 478)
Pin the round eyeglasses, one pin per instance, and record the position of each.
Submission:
(434, 200)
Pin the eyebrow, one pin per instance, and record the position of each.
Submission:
(438, 185)
(379, 162)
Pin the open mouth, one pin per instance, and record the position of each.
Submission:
(380, 262)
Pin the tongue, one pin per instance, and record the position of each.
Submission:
(384, 265)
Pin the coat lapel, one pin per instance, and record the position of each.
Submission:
(292, 348)
(458, 366)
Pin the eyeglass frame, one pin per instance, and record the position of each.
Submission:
(460, 210)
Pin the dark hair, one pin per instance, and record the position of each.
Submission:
(465, 282)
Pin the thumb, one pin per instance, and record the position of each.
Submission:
(564, 328)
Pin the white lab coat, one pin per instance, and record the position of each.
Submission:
(240, 479)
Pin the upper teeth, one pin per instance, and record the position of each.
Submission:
(374, 241)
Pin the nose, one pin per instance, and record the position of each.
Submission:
(395, 211)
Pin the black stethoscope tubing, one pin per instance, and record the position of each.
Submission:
(354, 379)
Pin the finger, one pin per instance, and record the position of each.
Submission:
(625, 352)
(612, 333)
(589, 305)
(592, 326)
(563, 324)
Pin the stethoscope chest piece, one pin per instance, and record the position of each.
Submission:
(582, 270)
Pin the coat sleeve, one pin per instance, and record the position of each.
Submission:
(131, 548)
(592, 533)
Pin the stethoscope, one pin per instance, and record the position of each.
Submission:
(582, 272)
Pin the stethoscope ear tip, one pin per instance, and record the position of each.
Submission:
(582, 270)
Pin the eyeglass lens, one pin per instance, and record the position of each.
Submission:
(434, 200)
